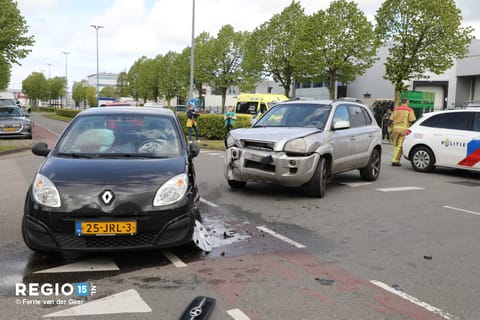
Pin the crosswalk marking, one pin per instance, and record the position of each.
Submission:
(123, 302)
(89, 265)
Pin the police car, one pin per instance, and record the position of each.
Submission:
(449, 138)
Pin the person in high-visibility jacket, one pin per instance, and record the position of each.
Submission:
(401, 119)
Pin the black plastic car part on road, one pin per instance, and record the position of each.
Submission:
(117, 179)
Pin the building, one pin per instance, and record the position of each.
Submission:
(104, 80)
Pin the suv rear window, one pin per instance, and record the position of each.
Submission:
(451, 120)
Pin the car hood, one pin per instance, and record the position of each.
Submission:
(276, 135)
(10, 119)
(111, 171)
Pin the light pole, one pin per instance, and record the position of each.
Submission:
(96, 29)
(49, 65)
(192, 52)
(66, 77)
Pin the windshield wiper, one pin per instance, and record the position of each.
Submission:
(75, 155)
(129, 155)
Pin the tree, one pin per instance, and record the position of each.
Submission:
(56, 88)
(272, 46)
(13, 42)
(171, 79)
(122, 85)
(336, 44)
(79, 92)
(227, 55)
(91, 96)
(108, 91)
(422, 36)
(36, 87)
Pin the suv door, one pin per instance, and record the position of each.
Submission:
(363, 132)
(342, 141)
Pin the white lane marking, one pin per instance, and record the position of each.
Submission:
(414, 300)
(462, 210)
(215, 154)
(174, 259)
(90, 265)
(356, 184)
(49, 130)
(400, 189)
(211, 204)
(123, 302)
(279, 236)
(237, 314)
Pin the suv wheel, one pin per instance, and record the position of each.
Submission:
(372, 170)
(318, 184)
(422, 159)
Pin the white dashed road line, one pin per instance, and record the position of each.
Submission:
(462, 210)
(211, 204)
(174, 259)
(356, 184)
(414, 300)
(400, 189)
(237, 314)
(89, 265)
(123, 302)
(279, 236)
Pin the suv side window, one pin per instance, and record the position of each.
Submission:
(453, 120)
(357, 117)
(341, 114)
(476, 122)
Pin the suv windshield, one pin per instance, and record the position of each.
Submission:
(121, 135)
(10, 112)
(296, 115)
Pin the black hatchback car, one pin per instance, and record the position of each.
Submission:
(118, 178)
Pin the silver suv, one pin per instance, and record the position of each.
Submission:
(302, 143)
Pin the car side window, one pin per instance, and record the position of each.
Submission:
(341, 114)
(357, 118)
(476, 122)
(452, 120)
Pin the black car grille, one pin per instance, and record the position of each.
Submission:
(259, 166)
(266, 146)
(145, 239)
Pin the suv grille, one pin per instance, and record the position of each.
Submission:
(266, 146)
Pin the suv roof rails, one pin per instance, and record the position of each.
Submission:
(349, 99)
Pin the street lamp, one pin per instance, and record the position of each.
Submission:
(96, 29)
(193, 51)
(66, 77)
(49, 65)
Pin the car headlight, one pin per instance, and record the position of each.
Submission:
(231, 141)
(45, 192)
(171, 191)
(296, 146)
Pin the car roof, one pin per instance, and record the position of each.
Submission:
(128, 110)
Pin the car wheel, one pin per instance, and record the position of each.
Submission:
(318, 184)
(422, 159)
(372, 170)
(236, 184)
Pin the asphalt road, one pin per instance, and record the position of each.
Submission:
(404, 247)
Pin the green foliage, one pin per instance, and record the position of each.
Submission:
(171, 80)
(122, 89)
(79, 92)
(423, 36)
(107, 92)
(36, 86)
(272, 46)
(13, 42)
(212, 126)
(91, 96)
(56, 87)
(69, 113)
(336, 44)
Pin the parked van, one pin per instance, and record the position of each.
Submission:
(255, 104)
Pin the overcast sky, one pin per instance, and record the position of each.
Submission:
(133, 28)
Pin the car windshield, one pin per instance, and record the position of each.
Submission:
(10, 112)
(121, 135)
(295, 115)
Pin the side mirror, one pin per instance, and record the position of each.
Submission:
(341, 124)
(40, 149)
(194, 150)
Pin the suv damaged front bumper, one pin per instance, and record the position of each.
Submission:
(270, 167)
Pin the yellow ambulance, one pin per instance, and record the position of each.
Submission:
(254, 104)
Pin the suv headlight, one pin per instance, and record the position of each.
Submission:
(171, 191)
(45, 192)
(296, 146)
(231, 141)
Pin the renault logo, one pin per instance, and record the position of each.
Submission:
(107, 196)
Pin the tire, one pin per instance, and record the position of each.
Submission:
(234, 184)
(318, 184)
(422, 159)
(372, 170)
